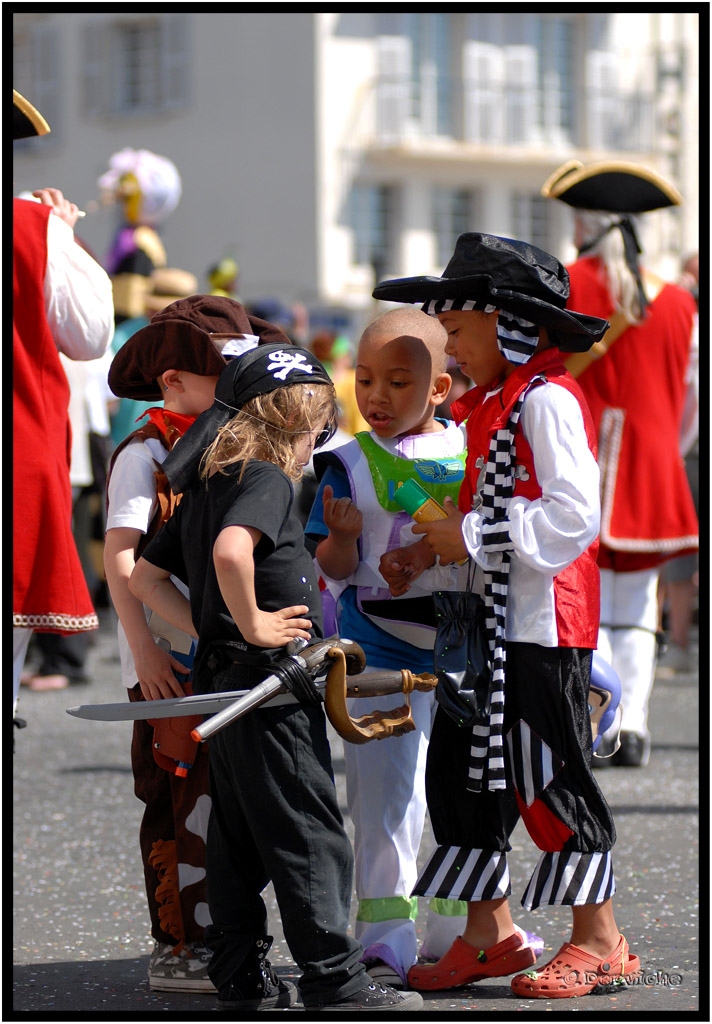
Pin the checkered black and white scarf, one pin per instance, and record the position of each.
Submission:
(517, 340)
(487, 748)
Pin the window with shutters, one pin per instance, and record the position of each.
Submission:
(483, 85)
(138, 68)
(414, 91)
(393, 95)
(497, 79)
(518, 78)
(36, 76)
(454, 213)
(555, 42)
(530, 219)
(520, 110)
(603, 100)
(373, 223)
(137, 65)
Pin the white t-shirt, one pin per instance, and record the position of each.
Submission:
(132, 502)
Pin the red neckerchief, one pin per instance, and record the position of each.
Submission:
(171, 424)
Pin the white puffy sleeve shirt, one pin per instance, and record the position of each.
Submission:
(78, 295)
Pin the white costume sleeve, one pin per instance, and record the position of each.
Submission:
(549, 533)
(78, 295)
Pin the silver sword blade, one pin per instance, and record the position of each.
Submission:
(171, 707)
(367, 684)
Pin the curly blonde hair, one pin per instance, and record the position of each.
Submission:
(268, 427)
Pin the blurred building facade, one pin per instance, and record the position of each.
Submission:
(327, 150)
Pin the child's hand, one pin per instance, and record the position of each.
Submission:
(396, 571)
(155, 672)
(341, 516)
(401, 566)
(445, 535)
(275, 629)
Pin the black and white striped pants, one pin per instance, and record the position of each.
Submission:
(550, 784)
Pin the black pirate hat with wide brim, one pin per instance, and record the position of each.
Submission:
(613, 186)
(510, 275)
(26, 119)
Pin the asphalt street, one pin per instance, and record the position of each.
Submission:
(81, 943)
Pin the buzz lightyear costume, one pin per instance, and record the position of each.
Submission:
(385, 781)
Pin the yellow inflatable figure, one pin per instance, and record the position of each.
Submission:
(147, 189)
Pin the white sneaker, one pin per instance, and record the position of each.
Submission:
(186, 971)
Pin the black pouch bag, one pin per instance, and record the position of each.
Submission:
(462, 657)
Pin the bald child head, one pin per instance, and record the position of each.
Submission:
(401, 373)
(410, 324)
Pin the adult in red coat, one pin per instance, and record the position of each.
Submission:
(61, 303)
(641, 384)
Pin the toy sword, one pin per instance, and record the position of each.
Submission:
(370, 684)
(170, 707)
(227, 705)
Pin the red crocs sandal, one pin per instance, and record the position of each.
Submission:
(464, 963)
(574, 972)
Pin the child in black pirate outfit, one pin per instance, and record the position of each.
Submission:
(175, 360)
(237, 542)
(528, 516)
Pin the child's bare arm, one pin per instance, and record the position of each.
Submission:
(233, 556)
(154, 666)
(337, 554)
(153, 585)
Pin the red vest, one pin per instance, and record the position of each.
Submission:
(576, 588)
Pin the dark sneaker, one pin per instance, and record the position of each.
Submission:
(634, 750)
(376, 997)
(256, 986)
(186, 971)
(276, 997)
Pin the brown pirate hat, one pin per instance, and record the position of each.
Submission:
(197, 334)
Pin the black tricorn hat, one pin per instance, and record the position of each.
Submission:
(189, 335)
(26, 119)
(613, 186)
(508, 274)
